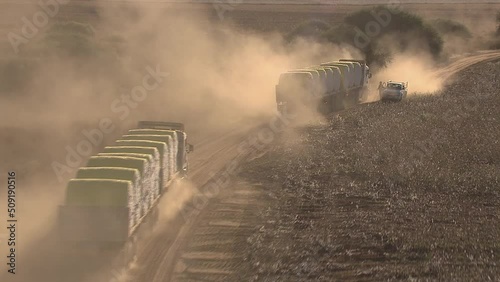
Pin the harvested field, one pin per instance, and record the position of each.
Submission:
(386, 191)
(258, 17)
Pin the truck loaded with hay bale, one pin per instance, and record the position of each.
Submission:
(118, 190)
(325, 88)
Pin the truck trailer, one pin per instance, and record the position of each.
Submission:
(118, 190)
(325, 88)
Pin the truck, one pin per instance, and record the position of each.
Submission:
(393, 91)
(296, 89)
(118, 190)
(324, 88)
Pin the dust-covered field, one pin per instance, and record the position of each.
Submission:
(386, 191)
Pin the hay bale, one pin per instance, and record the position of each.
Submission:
(317, 82)
(336, 78)
(153, 166)
(167, 139)
(148, 158)
(151, 151)
(147, 181)
(117, 173)
(102, 193)
(181, 155)
(176, 142)
(157, 132)
(173, 133)
(330, 79)
(323, 86)
(98, 192)
(132, 149)
(162, 150)
(291, 82)
(114, 173)
(344, 73)
(134, 145)
(357, 72)
(350, 73)
(110, 161)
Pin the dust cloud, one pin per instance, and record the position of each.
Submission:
(417, 70)
(174, 201)
(413, 64)
(218, 78)
(218, 75)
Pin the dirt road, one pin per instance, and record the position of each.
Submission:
(466, 61)
(212, 163)
(207, 243)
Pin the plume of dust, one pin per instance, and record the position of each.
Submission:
(416, 69)
(40, 204)
(174, 200)
(120, 274)
(218, 76)
(37, 235)
(170, 206)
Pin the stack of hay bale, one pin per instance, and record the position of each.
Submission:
(130, 175)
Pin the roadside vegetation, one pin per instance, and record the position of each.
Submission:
(398, 31)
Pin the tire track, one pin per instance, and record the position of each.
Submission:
(449, 71)
(214, 249)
